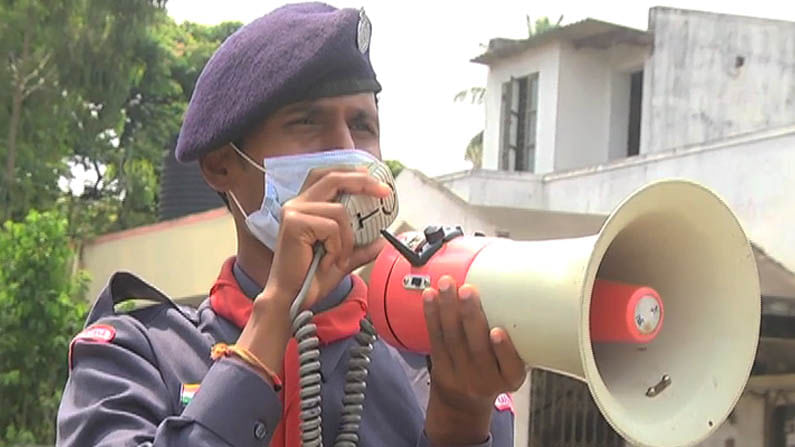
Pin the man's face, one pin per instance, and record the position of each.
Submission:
(341, 122)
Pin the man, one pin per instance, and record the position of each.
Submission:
(295, 83)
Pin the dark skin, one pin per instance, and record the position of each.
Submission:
(471, 363)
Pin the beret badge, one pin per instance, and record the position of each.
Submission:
(363, 32)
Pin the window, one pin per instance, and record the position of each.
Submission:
(518, 123)
(635, 107)
(563, 414)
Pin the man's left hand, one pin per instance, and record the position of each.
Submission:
(470, 365)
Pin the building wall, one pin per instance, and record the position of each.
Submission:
(422, 203)
(545, 61)
(694, 90)
(593, 103)
(583, 126)
(496, 188)
(755, 176)
(180, 257)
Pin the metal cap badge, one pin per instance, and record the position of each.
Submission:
(363, 32)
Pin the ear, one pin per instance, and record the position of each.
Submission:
(221, 168)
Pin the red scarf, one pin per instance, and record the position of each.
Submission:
(228, 301)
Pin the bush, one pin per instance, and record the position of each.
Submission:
(41, 308)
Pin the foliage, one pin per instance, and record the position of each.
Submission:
(41, 307)
(66, 61)
(96, 86)
(541, 25)
(474, 151)
(475, 95)
(92, 85)
(395, 166)
(127, 167)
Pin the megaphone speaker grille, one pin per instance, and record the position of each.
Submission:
(681, 240)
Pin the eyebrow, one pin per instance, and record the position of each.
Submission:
(365, 114)
(360, 113)
(298, 107)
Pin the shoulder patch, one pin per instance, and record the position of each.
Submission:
(97, 333)
(102, 333)
(504, 402)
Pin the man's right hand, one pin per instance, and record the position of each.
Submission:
(315, 217)
(312, 217)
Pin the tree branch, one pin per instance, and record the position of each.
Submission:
(33, 74)
(99, 176)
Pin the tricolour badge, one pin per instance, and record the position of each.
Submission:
(187, 392)
(363, 32)
(98, 333)
(504, 402)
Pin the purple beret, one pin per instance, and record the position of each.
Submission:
(295, 53)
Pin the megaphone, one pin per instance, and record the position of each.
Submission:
(658, 313)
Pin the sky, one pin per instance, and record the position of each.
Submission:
(421, 52)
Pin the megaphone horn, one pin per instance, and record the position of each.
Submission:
(658, 313)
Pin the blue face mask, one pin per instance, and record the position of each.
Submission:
(284, 180)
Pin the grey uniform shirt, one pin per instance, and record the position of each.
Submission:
(128, 391)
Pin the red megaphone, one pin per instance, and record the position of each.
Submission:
(414, 261)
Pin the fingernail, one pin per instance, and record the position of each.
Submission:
(427, 296)
(444, 284)
(464, 294)
(496, 336)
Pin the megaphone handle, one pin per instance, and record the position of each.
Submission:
(435, 238)
(402, 248)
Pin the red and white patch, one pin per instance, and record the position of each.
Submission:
(504, 402)
(98, 333)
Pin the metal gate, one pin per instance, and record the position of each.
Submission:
(563, 414)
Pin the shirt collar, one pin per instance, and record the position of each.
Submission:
(252, 289)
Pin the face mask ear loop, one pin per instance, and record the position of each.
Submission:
(247, 158)
(237, 203)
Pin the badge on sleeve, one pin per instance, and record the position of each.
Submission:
(187, 392)
(504, 402)
(98, 333)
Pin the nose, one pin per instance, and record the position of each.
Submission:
(339, 136)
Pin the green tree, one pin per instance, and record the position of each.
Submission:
(64, 70)
(96, 84)
(41, 307)
(128, 163)
(473, 153)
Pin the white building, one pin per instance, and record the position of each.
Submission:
(717, 105)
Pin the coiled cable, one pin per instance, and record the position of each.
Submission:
(310, 378)
(305, 333)
(355, 386)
